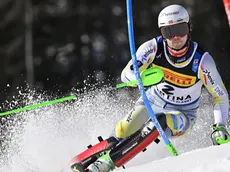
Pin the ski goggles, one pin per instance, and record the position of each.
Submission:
(180, 30)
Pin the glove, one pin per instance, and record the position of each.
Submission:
(219, 134)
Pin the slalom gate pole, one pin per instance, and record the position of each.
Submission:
(227, 9)
(26, 108)
(139, 82)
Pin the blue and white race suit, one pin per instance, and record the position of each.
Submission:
(178, 97)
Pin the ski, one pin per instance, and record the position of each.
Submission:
(84, 159)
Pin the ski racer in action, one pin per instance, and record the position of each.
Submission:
(175, 100)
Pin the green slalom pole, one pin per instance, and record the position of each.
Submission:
(37, 105)
(151, 76)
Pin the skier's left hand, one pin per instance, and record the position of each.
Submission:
(219, 134)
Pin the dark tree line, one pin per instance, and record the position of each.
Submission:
(72, 40)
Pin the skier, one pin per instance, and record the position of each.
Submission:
(175, 101)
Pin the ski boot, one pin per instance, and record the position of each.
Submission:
(103, 164)
(89, 156)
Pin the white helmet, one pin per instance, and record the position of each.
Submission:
(173, 14)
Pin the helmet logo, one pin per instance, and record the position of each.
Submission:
(172, 13)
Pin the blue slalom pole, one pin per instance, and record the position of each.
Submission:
(139, 82)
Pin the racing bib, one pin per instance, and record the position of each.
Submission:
(178, 96)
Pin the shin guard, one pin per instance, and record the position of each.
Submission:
(137, 142)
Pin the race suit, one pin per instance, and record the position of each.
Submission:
(178, 96)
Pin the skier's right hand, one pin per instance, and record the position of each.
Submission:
(219, 134)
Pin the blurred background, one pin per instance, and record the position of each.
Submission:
(57, 45)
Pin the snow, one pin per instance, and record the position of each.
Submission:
(45, 139)
(211, 159)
